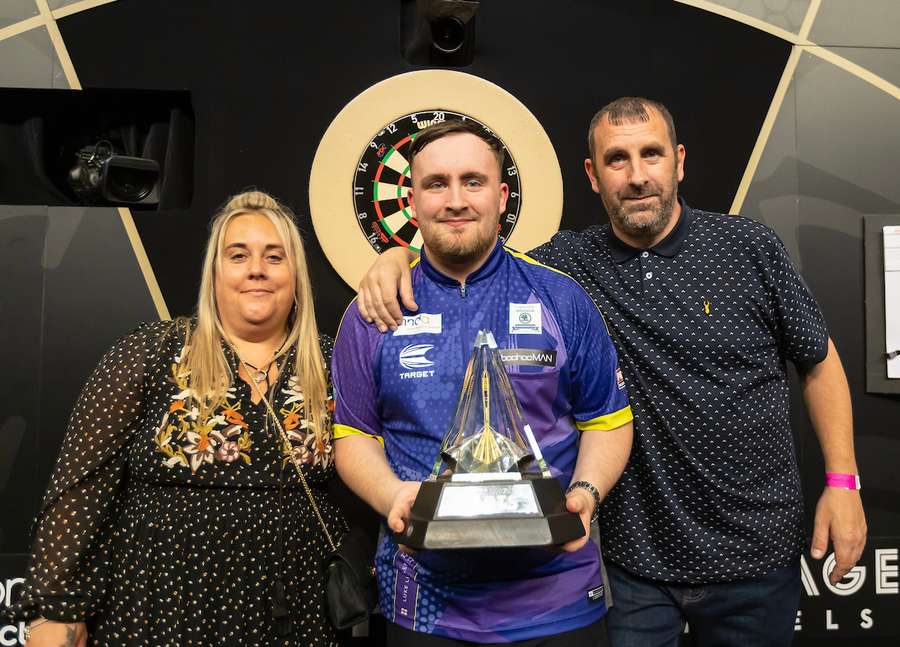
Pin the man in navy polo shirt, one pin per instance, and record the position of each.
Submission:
(705, 526)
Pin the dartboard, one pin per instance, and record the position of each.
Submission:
(359, 184)
(381, 183)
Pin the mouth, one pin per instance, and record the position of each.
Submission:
(456, 222)
(257, 291)
(639, 199)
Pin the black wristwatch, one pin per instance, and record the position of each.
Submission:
(590, 487)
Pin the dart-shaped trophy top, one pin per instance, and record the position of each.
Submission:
(488, 434)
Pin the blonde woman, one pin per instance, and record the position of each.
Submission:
(175, 515)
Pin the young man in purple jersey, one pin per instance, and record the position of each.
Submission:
(392, 413)
(705, 526)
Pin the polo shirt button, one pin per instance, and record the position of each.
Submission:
(648, 275)
(645, 254)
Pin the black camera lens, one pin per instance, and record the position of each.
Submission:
(448, 34)
(130, 185)
(129, 179)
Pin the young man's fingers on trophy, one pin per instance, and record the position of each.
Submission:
(581, 503)
(404, 497)
(401, 508)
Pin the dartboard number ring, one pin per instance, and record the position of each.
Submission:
(381, 183)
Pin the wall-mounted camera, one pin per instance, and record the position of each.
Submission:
(438, 33)
(96, 147)
(100, 173)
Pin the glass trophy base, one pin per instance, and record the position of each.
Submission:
(517, 511)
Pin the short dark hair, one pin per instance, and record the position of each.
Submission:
(630, 109)
(448, 127)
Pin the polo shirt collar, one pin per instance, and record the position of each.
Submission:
(668, 246)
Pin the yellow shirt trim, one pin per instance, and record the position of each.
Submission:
(605, 423)
(343, 431)
(532, 261)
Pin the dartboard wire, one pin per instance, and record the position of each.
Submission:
(65, 61)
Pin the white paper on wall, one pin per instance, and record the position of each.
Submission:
(892, 299)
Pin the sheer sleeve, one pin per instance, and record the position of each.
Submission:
(65, 578)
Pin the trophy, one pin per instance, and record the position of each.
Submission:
(490, 486)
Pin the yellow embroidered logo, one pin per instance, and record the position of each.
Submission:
(706, 306)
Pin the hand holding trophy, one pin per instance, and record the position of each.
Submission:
(490, 486)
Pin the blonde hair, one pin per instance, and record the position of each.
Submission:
(204, 363)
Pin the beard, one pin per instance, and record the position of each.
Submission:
(460, 249)
(626, 217)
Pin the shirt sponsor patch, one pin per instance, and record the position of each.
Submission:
(415, 359)
(525, 319)
(415, 356)
(595, 593)
(620, 379)
(419, 324)
(528, 356)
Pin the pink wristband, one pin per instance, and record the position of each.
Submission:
(846, 481)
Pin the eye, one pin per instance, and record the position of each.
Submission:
(474, 183)
(274, 258)
(652, 154)
(618, 159)
(237, 256)
(437, 184)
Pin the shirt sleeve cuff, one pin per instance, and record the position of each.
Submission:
(607, 422)
(343, 431)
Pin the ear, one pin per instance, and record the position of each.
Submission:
(410, 198)
(592, 178)
(504, 196)
(679, 160)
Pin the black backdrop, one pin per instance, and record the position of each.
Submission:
(266, 78)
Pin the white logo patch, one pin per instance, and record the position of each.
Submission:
(419, 324)
(413, 357)
(525, 319)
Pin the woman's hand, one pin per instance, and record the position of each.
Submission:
(58, 634)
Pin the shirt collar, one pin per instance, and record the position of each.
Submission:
(487, 268)
(668, 246)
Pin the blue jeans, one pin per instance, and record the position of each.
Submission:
(756, 612)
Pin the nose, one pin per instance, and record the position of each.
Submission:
(638, 175)
(455, 197)
(257, 266)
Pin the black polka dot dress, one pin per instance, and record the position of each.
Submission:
(163, 525)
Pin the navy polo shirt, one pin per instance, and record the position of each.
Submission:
(704, 323)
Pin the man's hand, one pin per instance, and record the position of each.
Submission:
(581, 502)
(377, 297)
(840, 516)
(401, 505)
(58, 634)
